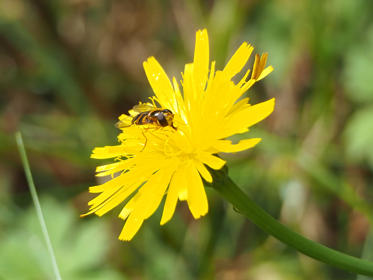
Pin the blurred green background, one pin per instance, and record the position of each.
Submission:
(69, 68)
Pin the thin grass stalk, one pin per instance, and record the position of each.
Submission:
(35, 199)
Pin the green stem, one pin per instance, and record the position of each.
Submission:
(229, 190)
(35, 199)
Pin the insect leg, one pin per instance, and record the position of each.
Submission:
(153, 101)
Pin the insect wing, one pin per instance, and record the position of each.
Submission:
(143, 107)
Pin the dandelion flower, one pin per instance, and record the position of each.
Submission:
(153, 161)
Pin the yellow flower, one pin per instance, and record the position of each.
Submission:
(152, 161)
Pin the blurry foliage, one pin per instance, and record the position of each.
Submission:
(359, 135)
(68, 69)
(358, 76)
(24, 255)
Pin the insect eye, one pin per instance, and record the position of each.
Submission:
(166, 111)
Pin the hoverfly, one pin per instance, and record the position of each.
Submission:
(149, 114)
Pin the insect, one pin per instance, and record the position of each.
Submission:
(146, 113)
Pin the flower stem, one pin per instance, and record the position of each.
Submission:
(229, 190)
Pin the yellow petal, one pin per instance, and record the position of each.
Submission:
(119, 188)
(247, 85)
(265, 73)
(122, 150)
(112, 169)
(110, 166)
(128, 208)
(226, 146)
(210, 160)
(108, 185)
(211, 75)
(152, 192)
(108, 152)
(243, 80)
(239, 105)
(111, 197)
(145, 202)
(180, 111)
(241, 120)
(131, 227)
(258, 112)
(189, 89)
(107, 189)
(203, 171)
(160, 83)
(197, 200)
(178, 182)
(238, 60)
(201, 58)
(115, 200)
(183, 194)
(106, 203)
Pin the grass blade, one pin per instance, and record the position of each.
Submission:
(35, 199)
